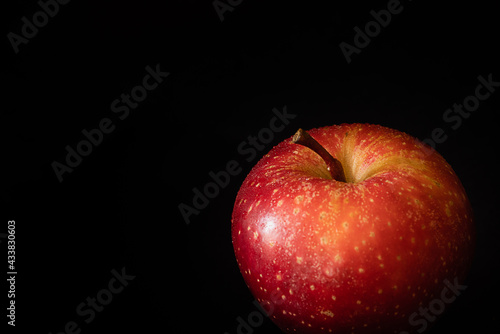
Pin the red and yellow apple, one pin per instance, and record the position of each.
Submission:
(351, 229)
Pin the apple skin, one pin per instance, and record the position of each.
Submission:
(359, 256)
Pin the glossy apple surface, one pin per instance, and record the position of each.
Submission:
(359, 256)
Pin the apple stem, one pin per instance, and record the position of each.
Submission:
(334, 166)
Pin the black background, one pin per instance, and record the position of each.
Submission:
(119, 207)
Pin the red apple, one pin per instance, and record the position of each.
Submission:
(371, 252)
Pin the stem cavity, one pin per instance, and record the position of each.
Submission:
(333, 165)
